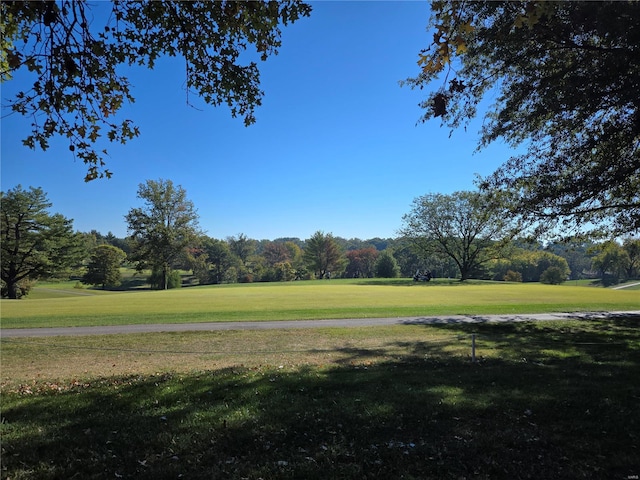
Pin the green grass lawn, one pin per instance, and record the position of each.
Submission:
(548, 400)
(306, 300)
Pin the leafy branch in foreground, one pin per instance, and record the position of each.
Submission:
(564, 76)
(74, 58)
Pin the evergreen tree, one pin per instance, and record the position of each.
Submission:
(323, 256)
(387, 266)
(104, 266)
(35, 243)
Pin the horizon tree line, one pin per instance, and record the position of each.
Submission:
(452, 236)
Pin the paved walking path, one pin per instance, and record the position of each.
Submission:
(626, 286)
(351, 322)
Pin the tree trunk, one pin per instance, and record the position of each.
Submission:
(12, 289)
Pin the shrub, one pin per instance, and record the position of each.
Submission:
(174, 280)
(553, 276)
(512, 276)
(23, 288)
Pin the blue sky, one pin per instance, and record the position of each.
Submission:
(336, 146)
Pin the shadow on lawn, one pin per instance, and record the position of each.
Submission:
(425, 415)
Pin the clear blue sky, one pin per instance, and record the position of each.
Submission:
(336, 146)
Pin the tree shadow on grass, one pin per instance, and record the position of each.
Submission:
(426, 415)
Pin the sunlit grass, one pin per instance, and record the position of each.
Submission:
(309, 300)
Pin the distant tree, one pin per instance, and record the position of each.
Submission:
(34, 243)
(564, 79)
(529, 264)
(632, 247)
(552, 276)
(162, 229)
(121, 243)
(379, 243)
(386, 265)
(466, 227)
(408, 258)
(610, 261)
(242, 246)
(575, 251)
(220, 257)
(104, 266)
(77, 90)
(275, 252)
(322, 255)
(295, 254)
(361, 262)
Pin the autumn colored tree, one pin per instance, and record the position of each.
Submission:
(276, 252)
(75, 51)
(564, 79)
(361, 262)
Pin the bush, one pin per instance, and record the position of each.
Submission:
(553, 276)
(22, 290)
(512, 276)
(174, 280)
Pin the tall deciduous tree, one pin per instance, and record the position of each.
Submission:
(104, 266)
(75, 54)
(464, 226)
(163, 228)
(564, 76)
(35, 243)
(322, 254)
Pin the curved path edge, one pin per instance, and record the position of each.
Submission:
(284, 324)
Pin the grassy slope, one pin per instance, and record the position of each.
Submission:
(306, 300)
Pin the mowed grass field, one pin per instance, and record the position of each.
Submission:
(57, 306)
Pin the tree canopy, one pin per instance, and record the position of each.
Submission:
(566, 81)
(163, 228)
(323, 255)
(75, 55)
(465, 226)
(35, 244)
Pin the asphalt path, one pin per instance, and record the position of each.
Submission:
(272, 325)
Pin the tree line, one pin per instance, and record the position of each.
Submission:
(462, 235)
